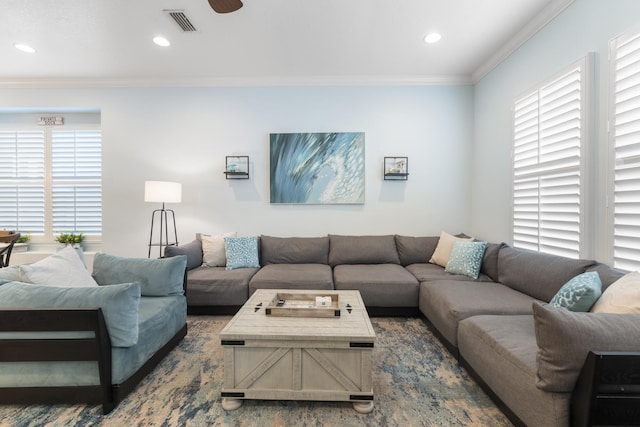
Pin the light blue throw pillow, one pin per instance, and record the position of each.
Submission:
(119, 304)
(241, 252)
(579, 293)
(466, 258)
(11, 274)
(157, 277)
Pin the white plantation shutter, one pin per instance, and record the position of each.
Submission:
(76, 175)
(51, 182)
(547, 165)
(22, 175)
(625, 134)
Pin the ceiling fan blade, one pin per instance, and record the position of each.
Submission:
(225, 6)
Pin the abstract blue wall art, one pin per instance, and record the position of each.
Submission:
(317, 168)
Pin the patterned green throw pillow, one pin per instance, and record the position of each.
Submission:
(579, 293)
(241, 252)
(466, 258)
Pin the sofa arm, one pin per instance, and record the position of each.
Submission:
(565, 338)
(608, 390)
(43, 348)
(192, 250)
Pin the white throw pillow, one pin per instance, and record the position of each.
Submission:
(213, 250)
(64, 268)
(443, 251)
(622, 296)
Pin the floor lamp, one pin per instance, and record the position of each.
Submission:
(163, 192)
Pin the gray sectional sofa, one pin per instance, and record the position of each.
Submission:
(527, 354)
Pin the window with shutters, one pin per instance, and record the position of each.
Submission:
(624, 134)
(22, 177)
(51, 182)
(550, 134)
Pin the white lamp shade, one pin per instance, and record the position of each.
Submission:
(162, 192)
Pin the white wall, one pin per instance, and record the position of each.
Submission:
(183, 134)
(585, 26)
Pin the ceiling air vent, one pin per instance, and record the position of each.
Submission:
(181, 19)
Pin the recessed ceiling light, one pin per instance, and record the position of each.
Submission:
(161, 41)
(24, 47)
(432, 38)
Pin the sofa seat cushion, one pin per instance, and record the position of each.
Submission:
(292, 276)
(447, 302)
(537, 274)
(216, 286)
(502, 351)
(380, 285)
(160, 318)
(426, 271)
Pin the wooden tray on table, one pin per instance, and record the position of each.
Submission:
(304, 305)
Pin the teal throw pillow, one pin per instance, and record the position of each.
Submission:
(241, 252)
(579, 293)
(119, 304)
(466, 258)
(158, 277)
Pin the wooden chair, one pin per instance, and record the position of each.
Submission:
(5, 251)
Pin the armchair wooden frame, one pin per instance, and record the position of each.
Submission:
(96, 349)
(5, 252)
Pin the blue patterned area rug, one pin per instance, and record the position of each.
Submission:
(416, 382)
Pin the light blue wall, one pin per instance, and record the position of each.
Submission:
(585, 26)
(184, 134)
(457, 138)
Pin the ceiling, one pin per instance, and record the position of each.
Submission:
(266, 42)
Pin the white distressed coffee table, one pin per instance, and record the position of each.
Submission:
(298, 358)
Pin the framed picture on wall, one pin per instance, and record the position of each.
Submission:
(317, 168)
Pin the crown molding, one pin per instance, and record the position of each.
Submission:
(552, 10)
(142, 82)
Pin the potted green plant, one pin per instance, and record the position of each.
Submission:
(22, 244)
(73, 239)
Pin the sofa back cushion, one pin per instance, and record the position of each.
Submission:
(537, 274)
(490, 260)
(294, 250)
(607, 274)
(192, 250)
(565, 338)
(415, 250)
(157, 277)
(362, 250)
(119, 304)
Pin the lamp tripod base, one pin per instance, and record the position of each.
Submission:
(165, 215)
